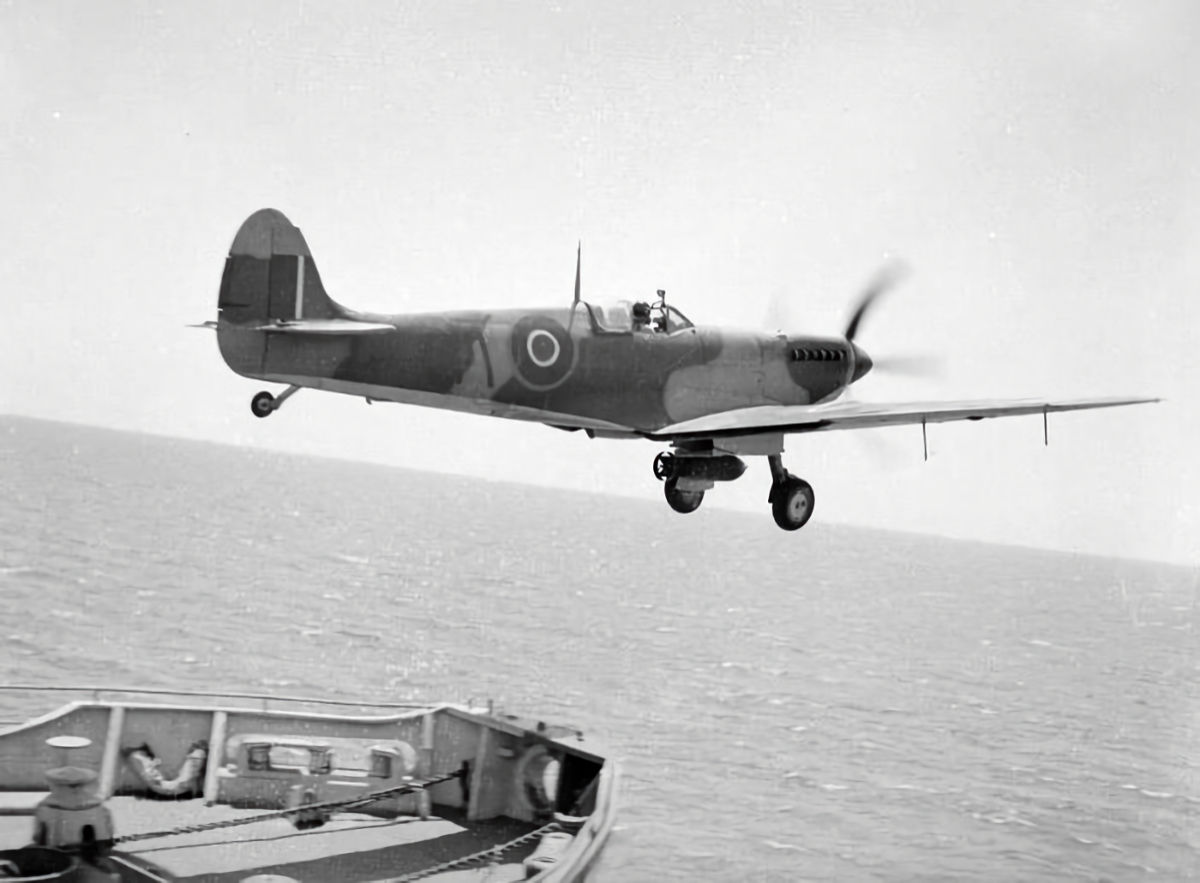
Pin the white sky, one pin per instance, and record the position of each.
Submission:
(1034, 163)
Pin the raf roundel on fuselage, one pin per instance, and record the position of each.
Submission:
(542, 351)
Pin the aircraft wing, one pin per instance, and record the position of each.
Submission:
(862, 415)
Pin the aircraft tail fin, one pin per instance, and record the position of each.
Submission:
(270, 279)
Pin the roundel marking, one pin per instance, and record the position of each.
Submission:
(543, 349)
(543, 352)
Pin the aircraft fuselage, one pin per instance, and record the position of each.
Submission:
(523, 362)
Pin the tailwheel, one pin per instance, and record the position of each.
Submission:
(664, 465)
(792, 503)
(263, 404)
(680, 500)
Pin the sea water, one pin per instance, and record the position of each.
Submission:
(835, 704)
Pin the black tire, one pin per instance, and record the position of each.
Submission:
(682, 501)
(792, 503)
(664, 466)
(263, 405)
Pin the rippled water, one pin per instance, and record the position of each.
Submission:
(836, 704)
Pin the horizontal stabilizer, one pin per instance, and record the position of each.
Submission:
(324, 326)
(211, 323)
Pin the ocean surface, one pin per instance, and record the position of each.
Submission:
(836, 704)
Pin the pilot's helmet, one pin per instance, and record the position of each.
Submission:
(641, 312)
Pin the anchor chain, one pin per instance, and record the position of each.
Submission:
(374, 796)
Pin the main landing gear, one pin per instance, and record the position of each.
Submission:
(687, 475)
(791, 498)
(264, 404)
(682, 500)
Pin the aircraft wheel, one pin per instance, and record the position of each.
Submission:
(792, 503)
(682, 501)
(263, 404)
(664, 466)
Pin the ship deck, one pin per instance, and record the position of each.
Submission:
(348, 847)
(485, 781)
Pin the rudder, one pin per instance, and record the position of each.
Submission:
(269, 277)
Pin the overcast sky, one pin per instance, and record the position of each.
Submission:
(1034, 163)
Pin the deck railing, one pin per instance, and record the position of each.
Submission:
(99, 693)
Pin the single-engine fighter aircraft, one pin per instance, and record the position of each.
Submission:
(628, 370)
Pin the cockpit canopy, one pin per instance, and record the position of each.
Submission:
(626, 316)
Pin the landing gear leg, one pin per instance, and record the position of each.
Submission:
(791, 498)
(264, 404)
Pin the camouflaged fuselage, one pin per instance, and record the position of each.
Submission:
(562, 366)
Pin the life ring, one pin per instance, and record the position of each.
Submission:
(529, 780)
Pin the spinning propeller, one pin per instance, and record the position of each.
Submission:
(891, 275)
(888, 277)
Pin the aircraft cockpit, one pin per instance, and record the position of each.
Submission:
(640, 317)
